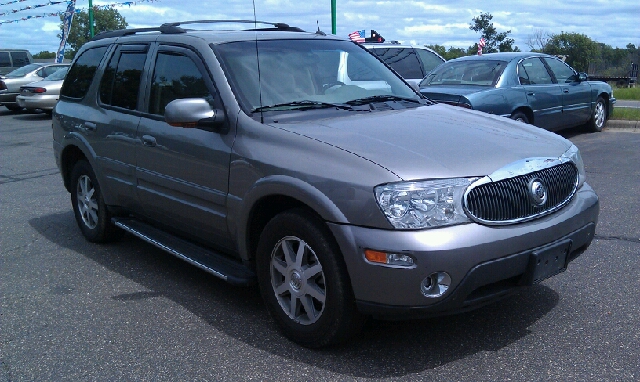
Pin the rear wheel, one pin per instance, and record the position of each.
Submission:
(520, 116)
(599, 116)
(304, 283)
(88, 206)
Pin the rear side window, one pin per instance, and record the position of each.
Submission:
(5, 61)
(81, 73)
(20, 59)
(402, 60)
(120, 83)
(176, 76)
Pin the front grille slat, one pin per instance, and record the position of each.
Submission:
(508, 201)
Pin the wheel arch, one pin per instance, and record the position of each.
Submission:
(71, 155)
(526, 111)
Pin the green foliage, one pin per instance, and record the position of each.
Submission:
(104, 20)
(495, 42)
(627, 93)
(449, 54)
(627, 114)
(44, 55)
(578, 48)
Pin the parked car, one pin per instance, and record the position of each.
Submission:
(529, 87)
(244, 154)
(12, 59)
(413, 63)
(11, 83)
(44, 94)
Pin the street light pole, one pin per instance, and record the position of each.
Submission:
(91, 18)
(333, 16)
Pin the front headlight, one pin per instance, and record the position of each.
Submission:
(431, 203)
(573, 154)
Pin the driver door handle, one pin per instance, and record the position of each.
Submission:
(149, 141)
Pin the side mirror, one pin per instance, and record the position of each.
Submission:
(194, 113)
(582, 76)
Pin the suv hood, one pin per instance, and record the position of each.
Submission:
(437, 141)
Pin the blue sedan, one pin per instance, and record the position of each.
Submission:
(530, 87)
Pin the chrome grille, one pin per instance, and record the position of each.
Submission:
(509, 200)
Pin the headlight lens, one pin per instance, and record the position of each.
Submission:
(416, 205)
(573, 154)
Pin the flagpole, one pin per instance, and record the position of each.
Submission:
(91, 18)
(333, 16)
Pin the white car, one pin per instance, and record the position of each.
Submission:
(43, 94)
(413, 63)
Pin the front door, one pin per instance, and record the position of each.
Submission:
(183, 173)
(576, 95)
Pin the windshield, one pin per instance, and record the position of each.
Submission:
(23, 71)
(57, 75)
(467, 72)
(296, 73)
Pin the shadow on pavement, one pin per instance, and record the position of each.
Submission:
(383, 350)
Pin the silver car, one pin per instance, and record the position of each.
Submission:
(44, 94)
(300, 162)
(11, 83)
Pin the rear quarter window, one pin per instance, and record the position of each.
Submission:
(5, 61)
(81, 73)
(20, 59)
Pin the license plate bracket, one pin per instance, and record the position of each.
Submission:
(547, 261)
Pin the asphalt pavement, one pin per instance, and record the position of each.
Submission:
(75, 311)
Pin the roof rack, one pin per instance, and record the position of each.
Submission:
(174, 28)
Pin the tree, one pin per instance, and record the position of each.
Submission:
(579, 49)
(538, 40)
(449, 54)
(495, 42)
(45, 55)
(104, 20)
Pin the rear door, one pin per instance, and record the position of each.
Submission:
(183, 173)
(576, 95)
(543, 94)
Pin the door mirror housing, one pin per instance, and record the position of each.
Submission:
(582, 76)
(194, 113)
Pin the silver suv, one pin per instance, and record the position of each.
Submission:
(246, 154)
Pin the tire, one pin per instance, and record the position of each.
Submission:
(13, 107)
(304, 282)
(88, 205)
(520, 116)
(598, 117)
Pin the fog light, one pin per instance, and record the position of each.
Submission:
(436, 284)
(392, 259)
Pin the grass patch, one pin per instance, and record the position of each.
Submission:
(627, 93)
(626, 113)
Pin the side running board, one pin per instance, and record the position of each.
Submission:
(215, 263)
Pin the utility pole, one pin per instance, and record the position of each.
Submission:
(333, 16)
(91, 18)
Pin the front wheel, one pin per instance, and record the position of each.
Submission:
(88, 206)
(520, 116)
(304, 283)
(599, 116)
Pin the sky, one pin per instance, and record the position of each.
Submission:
(442, 22)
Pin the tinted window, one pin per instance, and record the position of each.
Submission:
(81, 73)
(20, 58)
(429, 60)
(5, 61)
(561, 71)
(402, 60)
(467, 72)
(533, 72)
(175, 76)
(120, 83)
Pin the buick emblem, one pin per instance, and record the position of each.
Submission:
(537, 192)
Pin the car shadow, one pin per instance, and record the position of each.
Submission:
(383, 350)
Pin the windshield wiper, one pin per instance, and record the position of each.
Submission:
(302, 105)
(381, 98)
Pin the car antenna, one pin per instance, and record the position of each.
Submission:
(321, 33)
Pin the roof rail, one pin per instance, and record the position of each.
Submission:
(164, 28)
(174, 28)
(277, 26)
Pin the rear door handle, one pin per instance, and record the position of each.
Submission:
(90, 126)
(149, 141)
(531, 93)
(565, 90)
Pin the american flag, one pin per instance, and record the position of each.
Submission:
(481, 44)
(357, 36)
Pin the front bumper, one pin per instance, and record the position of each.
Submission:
(484, 262)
